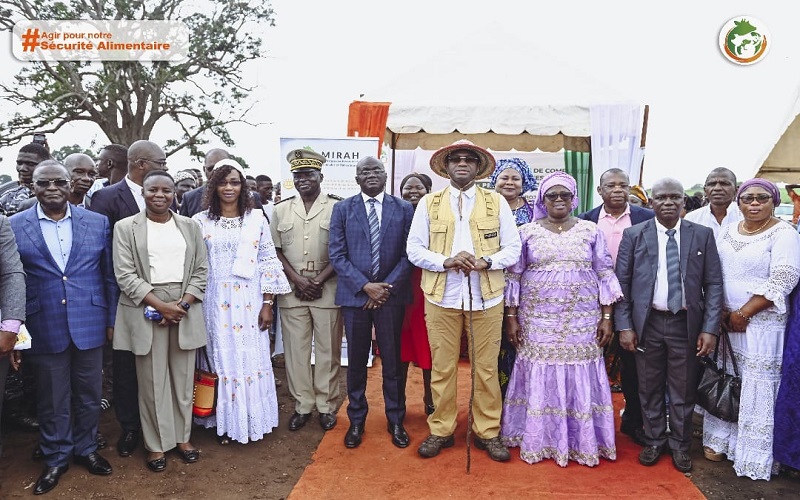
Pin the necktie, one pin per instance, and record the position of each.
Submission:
(674, 290)
(374, 238)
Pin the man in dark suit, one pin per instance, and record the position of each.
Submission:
(12, 304)
(193, 200)
(71, 298)
(117, 202)
(612, 217)
(670, 275)
(367, 249)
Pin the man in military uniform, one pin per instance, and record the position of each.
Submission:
(300, 228)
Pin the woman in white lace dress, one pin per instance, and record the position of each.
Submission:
(244, 275)
(760, 266)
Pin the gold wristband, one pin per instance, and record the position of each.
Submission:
(606, 316)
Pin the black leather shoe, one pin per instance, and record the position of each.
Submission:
(399, 435)
(127, 443)
(298, 420)
(37, 454)
(49, 479)
(157, 465)
(188, 456)
(353, 437)
(94, 463)
(101, 441)
(650, 455)
(682, 461)
(23, 422)
(327, 421)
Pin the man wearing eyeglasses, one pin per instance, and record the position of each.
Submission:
(671, 279)
(612, 217)
(463, 237)
(71, 305)
(117, 202)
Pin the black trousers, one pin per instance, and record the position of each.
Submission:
(126, 391)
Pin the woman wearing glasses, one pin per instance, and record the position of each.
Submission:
(160, 261)
(760, 259)
(559, 300)
(244, 276)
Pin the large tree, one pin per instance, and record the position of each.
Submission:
(202, 94)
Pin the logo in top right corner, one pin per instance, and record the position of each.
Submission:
(744, 40)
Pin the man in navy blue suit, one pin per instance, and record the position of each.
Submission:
(71, 298)
(367, 249)
(612, 218)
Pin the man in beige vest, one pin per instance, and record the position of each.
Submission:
(463, 237)
(300, 228)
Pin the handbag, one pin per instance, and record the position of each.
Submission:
(718, 391)
(204, 396)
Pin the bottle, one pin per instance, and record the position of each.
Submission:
(152, 313)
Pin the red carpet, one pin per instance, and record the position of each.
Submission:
(377, 469)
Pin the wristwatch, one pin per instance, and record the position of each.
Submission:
(185, 305)
(488, 262)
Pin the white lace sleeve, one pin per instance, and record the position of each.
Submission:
(273, 280)
(784, 269)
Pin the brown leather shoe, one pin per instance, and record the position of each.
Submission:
(434, 444)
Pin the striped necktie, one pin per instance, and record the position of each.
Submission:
(374, 238)
(674, 288)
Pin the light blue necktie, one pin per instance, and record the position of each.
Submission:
(674, 290)
(374, 238)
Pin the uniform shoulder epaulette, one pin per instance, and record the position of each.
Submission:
(335, 196)
(285, 199)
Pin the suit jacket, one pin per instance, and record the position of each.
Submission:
(133, 331)
(638, 214)
(115, 202)
(75, 305)
(192, 202)
(637, 267)
(351, 254)
(12, 276)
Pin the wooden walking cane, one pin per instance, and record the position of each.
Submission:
(471, 377)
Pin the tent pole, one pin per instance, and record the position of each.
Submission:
(643, 141)
(393, 144)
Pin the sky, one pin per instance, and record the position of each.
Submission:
(704, 110)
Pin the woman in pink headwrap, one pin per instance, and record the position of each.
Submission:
(559, 299)
(760, 259)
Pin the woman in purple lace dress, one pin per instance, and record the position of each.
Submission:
(559, 299)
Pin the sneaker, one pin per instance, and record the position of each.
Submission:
(494, 447)
(434, 444)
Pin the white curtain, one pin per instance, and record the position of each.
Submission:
(616, 138)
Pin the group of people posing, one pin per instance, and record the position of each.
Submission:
(538, 292)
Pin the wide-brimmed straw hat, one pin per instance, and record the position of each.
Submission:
(485, 166)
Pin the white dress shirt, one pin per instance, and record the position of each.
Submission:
(704, 217)
(457, 285)
(661, 292)
(136, 191)
(378, 205)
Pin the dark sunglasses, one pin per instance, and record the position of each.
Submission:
(458, 159)
(748, 198)
(57, 182)
(564, 195)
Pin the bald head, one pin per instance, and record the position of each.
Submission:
(212, 157)
(144, 156)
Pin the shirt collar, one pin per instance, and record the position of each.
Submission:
(40, 213)
(133, 185)
(603, 212)
(379, 197)
(662, 229)
(469, 193)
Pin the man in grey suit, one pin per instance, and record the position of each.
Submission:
(12, 303)
(671, 278)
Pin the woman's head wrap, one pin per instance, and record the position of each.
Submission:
(762, 183)
(554, 179)
(638, 191)
(518, 164)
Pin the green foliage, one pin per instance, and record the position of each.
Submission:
(64, 151)
(202, 94)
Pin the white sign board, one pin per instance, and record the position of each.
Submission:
(339, 170)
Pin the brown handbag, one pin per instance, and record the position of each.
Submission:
(204, 397)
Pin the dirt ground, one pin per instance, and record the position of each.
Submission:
(268, 469)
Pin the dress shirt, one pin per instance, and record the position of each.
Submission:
(661, 291)
(612, 228)
(57, 236)
(136, 191)
(456, 290)
(378, 205)
(704, 217)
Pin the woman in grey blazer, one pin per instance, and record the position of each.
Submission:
(160, 261)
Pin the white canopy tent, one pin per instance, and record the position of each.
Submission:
(781, 161)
